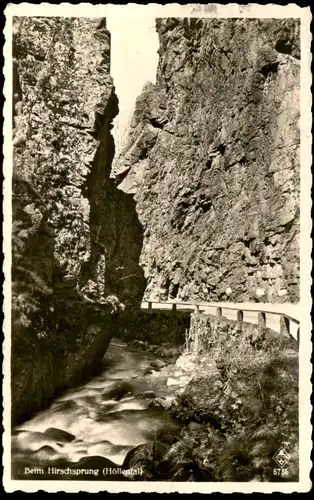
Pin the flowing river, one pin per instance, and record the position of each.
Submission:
(97, 424)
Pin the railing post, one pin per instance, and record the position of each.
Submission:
(218, 312)
(174, 307)
(261, 320)
(150, 306)
(298, 335)
(239, 317)
(284, 326)
(196, 308)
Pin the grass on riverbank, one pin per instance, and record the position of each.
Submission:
(240, 408)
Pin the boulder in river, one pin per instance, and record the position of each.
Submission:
(158, 364)
(172, 381)
(161, 403)
(146, 457)
(146, 395)
(59, 435)
(119, 391)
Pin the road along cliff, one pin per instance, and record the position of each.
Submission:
(76, 239)
(212, 160)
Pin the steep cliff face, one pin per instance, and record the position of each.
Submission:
(213, 161)
(76, 239)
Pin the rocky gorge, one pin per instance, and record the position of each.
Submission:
(212, 160)
(76, 239)
(202, 204)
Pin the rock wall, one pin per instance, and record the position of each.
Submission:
(212, 160)
(76, 239)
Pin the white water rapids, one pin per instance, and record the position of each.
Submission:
(101, 420)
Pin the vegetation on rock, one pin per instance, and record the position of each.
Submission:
(238, 410)
(76, 239)
(155, 327)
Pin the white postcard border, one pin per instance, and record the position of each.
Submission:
(171, 10)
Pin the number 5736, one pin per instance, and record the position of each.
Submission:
(281, 472)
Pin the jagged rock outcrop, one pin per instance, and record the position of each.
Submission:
(213, 161)
(76, 239)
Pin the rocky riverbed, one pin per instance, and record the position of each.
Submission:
(110, 422)
(218, 408)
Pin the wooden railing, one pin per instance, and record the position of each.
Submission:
(266, 315)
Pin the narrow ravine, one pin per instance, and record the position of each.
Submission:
(97, 424)
(198, 203)
(76, 239)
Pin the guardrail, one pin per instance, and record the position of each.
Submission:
(264, 315)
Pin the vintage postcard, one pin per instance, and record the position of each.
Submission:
(157, 250)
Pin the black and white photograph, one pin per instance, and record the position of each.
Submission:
(157, 248)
